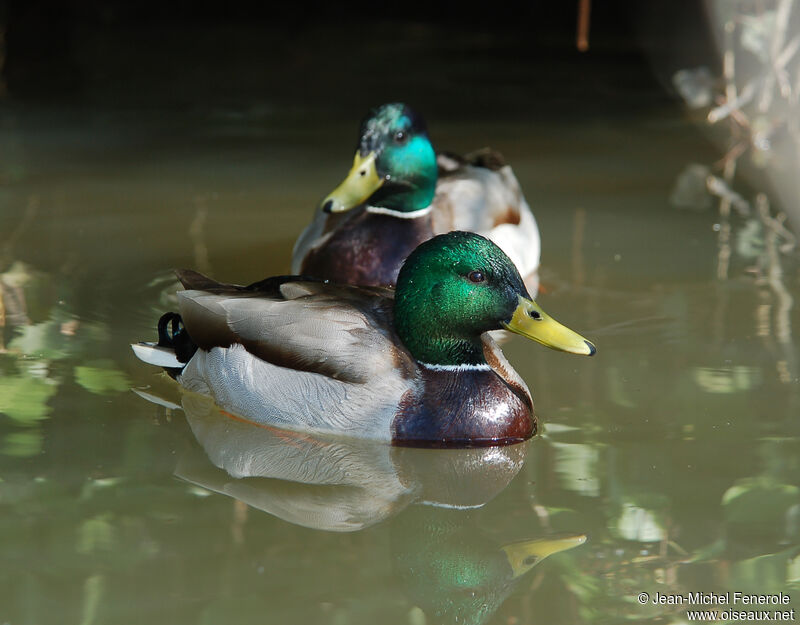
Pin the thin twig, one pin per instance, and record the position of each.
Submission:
(584, 21)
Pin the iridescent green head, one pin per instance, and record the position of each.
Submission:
(394, 166)
(456, 286)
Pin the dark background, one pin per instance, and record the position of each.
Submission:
(456, 59)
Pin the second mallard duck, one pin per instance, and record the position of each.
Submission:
(399, 194)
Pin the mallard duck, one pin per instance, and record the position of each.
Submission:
(414, 366)
(399, 194)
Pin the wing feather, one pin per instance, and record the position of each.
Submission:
(339, 331)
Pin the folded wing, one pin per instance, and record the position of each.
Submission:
(339, 331)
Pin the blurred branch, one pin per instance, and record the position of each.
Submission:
(729, 62)
(584, 21)
(720, 188)
(759, 97)
(733, 107)
(775, 232)
(777, 42)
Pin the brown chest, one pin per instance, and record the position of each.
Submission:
(367, 249)
(462, 408)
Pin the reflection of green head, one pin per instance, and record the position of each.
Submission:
(394, 166)
(455, 572)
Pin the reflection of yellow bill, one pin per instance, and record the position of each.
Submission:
(523, 556)
(361, 182)
(531, 321)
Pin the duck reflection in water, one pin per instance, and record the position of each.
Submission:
(457, 572)
(335, 483)
(446, 564)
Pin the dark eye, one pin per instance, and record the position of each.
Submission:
(476, 276)
(400, 136)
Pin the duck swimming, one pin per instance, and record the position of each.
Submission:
(399, 193)
(415, 366)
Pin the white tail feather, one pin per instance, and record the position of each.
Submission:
(152, 354)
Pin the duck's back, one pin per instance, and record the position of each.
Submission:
(297, 354)
(480, 193)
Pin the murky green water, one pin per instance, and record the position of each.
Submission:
(674, 450)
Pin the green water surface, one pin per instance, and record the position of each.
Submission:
(674, 450)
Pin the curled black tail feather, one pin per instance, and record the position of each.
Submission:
(172, 333)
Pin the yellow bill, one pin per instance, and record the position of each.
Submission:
(523, 556)
(355, 189)
(531, 321)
